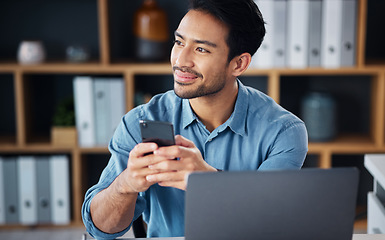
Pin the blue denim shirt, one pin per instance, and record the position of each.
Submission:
(259, 135)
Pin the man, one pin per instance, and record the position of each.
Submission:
(220, 125)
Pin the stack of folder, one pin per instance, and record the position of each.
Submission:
(99, 107)
(307, 33)
(34, 190)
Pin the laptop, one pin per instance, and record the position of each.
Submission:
(275, 205)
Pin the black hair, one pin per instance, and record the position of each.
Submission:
(242, 17)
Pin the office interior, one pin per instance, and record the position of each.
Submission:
(32, 94)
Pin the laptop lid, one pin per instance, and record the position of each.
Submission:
(288, 204)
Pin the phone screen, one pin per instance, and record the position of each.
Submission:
(161, 133)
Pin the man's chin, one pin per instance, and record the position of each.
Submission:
(184, 94)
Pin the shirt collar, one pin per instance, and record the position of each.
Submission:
(187, 113)
(237, 120)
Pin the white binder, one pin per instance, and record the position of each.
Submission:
(280, 33)
(298, 33)
(315, 30)
(117, 103)
(331, 33)
(84, 111)
(26, 166)
(60, 192)
(102, 110)
(348, 38)
(263, 58)
(2, 193)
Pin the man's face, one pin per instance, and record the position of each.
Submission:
(199, 56)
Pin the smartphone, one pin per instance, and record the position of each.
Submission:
(161, 133)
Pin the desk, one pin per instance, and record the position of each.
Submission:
(355, 237)
(375, 163)
(368, 236)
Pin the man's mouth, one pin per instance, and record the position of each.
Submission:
(185, 75)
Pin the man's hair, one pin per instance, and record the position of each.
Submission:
(242, 17)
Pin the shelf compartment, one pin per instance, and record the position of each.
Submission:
(42, 93)
(95, 163)
(8, 110)
(58, 24)
(146, 86)
(375, 38)
(121, 14)
(352, 94)
(258, 82)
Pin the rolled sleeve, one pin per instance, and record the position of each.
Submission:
(89, 224)
(120, 146)
(289, 149)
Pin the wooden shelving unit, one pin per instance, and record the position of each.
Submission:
(20, 141)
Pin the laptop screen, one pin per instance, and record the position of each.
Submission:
(286, 204)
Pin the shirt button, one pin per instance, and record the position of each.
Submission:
(210, 139)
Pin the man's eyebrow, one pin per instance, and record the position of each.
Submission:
(197, 41)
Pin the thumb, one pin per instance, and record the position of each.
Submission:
(182, 141)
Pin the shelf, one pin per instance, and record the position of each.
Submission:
(346, 144)
(374, 68)
(106, 27)
(60, 67)
(375, 64)
(94, 150)
(34, 148)
(7, 141)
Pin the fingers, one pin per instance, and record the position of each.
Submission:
(137, 167)
(176, 184)
(182, 141)
(167, 178)
(143, 148)
(161, 166)
(141, 156)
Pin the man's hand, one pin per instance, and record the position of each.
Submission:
(133, 179)
(168, 172)
(113, 208)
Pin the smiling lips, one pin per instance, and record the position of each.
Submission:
(185, 76)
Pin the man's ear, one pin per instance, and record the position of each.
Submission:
(240, 63)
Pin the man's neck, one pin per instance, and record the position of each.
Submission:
(215, 109)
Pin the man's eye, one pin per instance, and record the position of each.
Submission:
(177, 42)
(202, 50)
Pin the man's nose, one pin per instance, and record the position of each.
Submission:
(185, 58)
